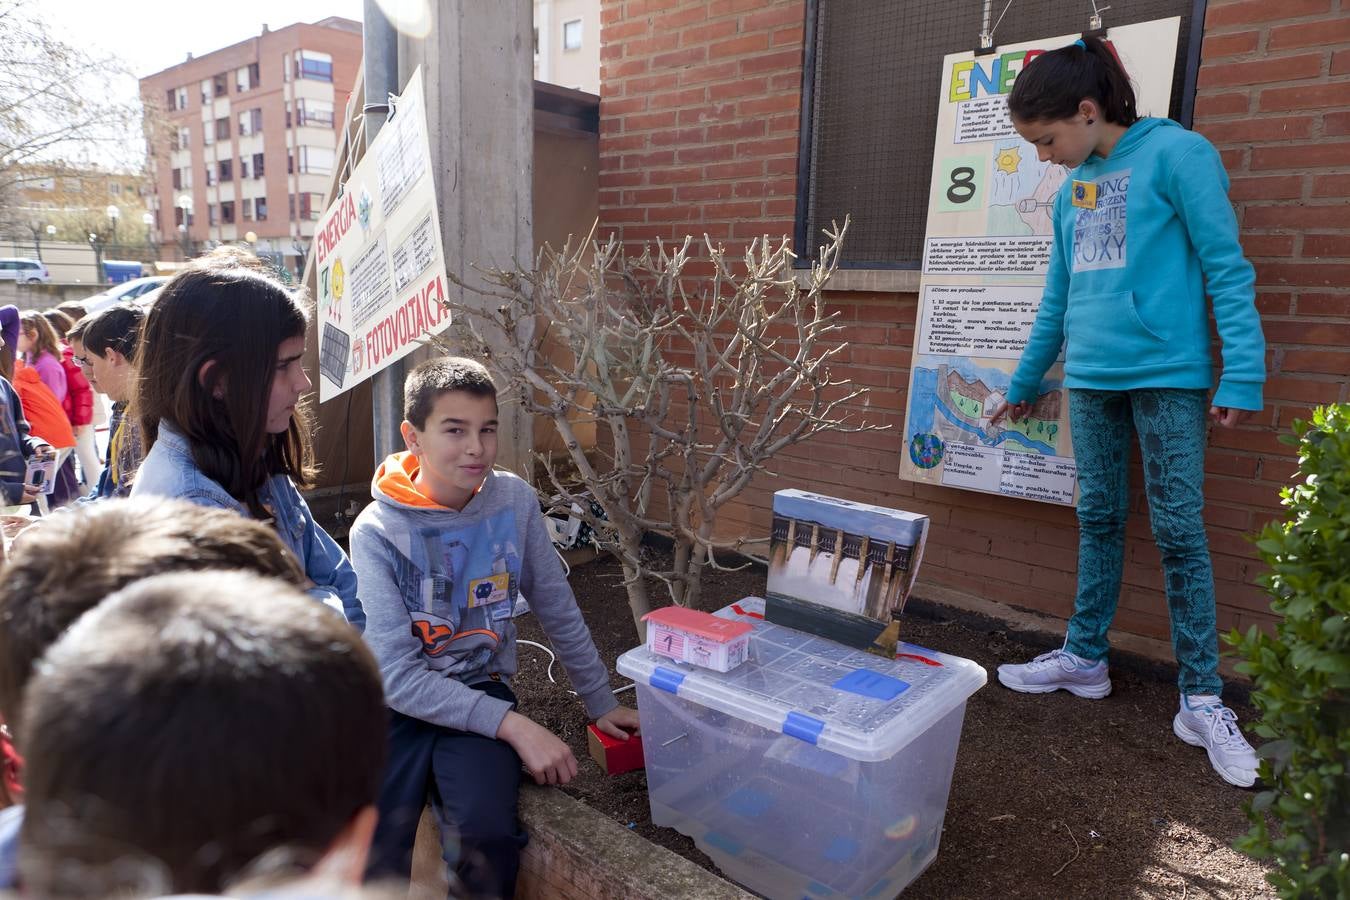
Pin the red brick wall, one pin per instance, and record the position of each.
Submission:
(699, 109)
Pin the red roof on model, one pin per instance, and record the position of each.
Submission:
(700, 623)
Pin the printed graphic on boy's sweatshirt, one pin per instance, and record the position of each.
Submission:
(469, 590)
(1099, 229)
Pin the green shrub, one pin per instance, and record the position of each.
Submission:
(1301, 675)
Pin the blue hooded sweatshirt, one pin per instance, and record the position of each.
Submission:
(1125, 291)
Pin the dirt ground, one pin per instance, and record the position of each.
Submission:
(1053, 796)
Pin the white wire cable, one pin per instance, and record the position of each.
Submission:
(552, 658)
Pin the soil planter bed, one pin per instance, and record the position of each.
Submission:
(1052, 795)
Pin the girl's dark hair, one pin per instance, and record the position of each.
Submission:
(44, 335)
(1053, 84)
(234, 318)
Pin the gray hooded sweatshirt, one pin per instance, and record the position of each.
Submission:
(438, 587)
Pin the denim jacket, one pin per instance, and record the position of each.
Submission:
(169, 471)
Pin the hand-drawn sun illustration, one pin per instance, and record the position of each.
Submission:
(1008, 160)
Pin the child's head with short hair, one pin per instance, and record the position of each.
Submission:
(65, 565)
(72, 308)
(106, 344)
(435, 377)
(194, 729)
(450, 425)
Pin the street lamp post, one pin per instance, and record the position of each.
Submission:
(113, 215)
(37, 240)
(184, 203)
(97, 244)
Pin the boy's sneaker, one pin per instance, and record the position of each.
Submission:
(1203, 721)
(1058, 670)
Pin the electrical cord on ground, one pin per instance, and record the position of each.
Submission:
(552, 658)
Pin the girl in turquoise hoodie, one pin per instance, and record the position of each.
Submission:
(1143, 231)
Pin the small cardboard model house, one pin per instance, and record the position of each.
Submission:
(699, 638)
(842, 570)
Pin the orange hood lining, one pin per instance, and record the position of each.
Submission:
(396, 479)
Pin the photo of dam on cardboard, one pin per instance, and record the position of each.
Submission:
(840, 569)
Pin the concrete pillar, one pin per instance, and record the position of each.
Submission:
(478, 68)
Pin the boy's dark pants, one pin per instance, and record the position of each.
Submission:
(472, 781)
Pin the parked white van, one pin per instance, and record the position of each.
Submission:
(23, 269)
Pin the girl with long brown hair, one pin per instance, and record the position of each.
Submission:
(218, 386)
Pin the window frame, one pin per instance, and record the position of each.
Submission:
(580, 31)
(805, 244)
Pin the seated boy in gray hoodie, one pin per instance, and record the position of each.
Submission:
(441, 556)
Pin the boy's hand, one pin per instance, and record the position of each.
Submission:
(619, 722)
(547, 758)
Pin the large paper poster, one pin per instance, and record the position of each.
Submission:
(381, 272)
(984, 264)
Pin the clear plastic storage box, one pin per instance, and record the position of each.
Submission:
(810, 770)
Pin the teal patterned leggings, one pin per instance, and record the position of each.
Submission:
(1171, 427)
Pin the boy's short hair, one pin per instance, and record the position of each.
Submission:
(426, 383)
(72, 308)
(116, 328)
(63, 566)
(194, 729)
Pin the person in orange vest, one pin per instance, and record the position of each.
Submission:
(47, 421)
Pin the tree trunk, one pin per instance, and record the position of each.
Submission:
(638, 602)
(694, 583)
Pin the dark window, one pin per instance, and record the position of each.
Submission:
(226, 170)
(253, 75)
(177, 179)
(222, 84)
(177, 216)
(869, 110)
(311, 205)
(223, 128)
(260, 209)
(227, 212)
(243, 168)
(288, 115)
(173, 98)
(290, 166)
(257, 165)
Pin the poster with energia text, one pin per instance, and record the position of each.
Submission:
(986, 252)
(381, 273)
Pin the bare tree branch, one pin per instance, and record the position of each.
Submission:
(694, 384)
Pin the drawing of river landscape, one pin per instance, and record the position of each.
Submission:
(951, 401)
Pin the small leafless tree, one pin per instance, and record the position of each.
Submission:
(693, 384)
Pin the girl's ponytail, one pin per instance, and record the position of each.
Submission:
(1053, 84)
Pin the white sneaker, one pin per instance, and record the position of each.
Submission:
(1203, 721)
(1058, 670)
